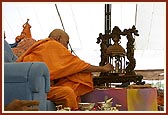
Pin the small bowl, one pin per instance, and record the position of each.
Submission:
(86, 106)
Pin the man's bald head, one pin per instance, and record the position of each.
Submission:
(60, 36)
(58, 32)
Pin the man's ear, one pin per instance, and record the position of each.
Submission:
(58, 38)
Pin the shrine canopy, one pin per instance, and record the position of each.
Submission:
(84, 21)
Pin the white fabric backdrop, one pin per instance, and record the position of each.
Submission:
(84, 21)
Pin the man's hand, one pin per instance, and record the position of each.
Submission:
(22, 105)
(108, 67)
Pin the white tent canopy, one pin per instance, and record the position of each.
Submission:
(84, 21)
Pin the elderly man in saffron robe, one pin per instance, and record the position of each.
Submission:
(69, 75)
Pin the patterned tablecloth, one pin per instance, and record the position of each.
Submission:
(140, 99)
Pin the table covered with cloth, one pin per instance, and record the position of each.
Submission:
(140, 99)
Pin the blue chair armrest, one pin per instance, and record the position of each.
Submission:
(27, 72)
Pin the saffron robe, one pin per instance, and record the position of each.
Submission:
(63, 66)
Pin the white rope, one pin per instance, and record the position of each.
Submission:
(150, 28)
(38, 20)
(136, 10)
(9, 26)
(20, 15)
(76, 26)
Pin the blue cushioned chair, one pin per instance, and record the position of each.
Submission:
(26, 80)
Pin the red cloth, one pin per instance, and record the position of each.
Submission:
(22, 46)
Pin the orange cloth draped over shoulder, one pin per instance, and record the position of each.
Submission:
(63, 66)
